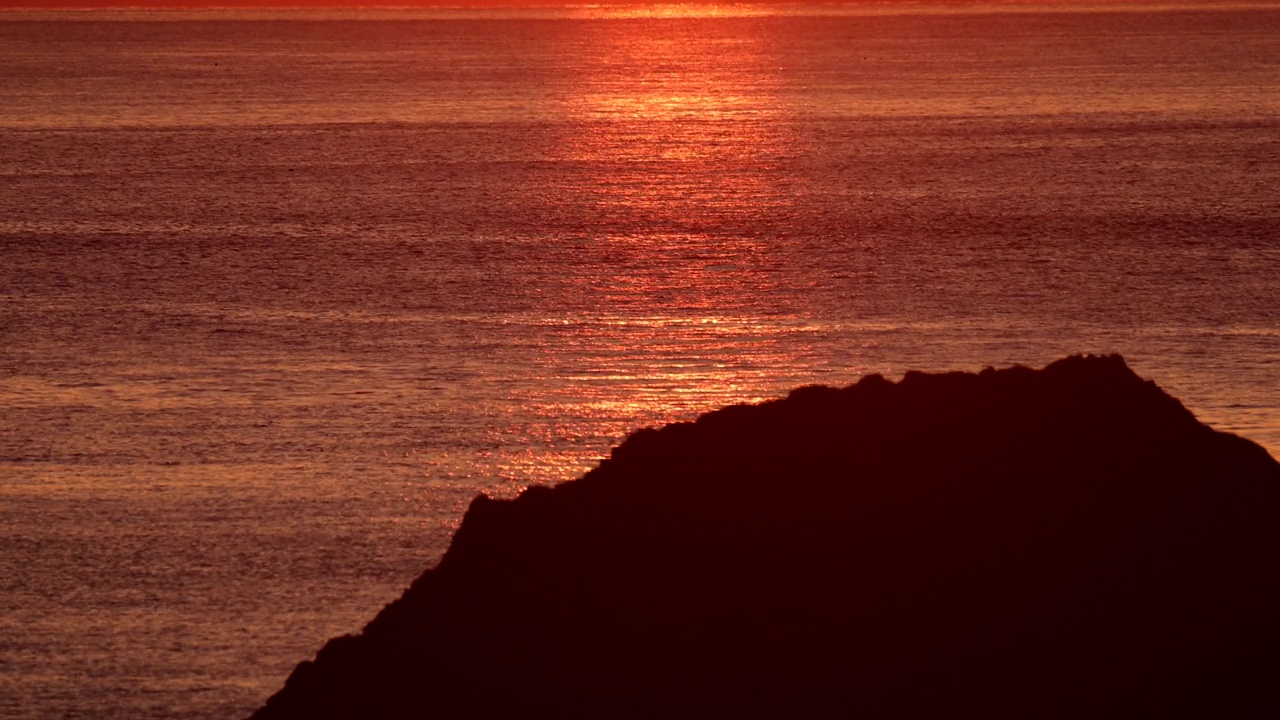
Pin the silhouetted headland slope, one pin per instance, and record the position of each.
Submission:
(1064, 542)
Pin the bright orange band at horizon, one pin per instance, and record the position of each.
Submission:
(376, 4)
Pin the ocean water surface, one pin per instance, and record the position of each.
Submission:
(279, 293)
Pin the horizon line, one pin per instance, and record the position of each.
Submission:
(157, 5)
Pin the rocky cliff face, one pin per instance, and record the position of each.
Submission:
(1015, 543)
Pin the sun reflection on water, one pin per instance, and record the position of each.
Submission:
(645, 327)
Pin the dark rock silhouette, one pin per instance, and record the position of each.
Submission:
(1068, 542)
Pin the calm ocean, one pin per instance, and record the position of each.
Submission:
(280, 294)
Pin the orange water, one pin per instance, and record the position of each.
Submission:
(278, 297)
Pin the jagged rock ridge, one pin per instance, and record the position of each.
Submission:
(1015, 543)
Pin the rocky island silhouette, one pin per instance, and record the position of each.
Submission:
(1064, 542)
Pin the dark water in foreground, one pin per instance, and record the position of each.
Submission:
(278, 297)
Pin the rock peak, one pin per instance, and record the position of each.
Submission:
(1009, 543)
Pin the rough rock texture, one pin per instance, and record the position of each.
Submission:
(1065, 542)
